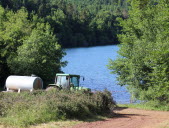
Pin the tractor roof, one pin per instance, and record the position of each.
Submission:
(62, 74)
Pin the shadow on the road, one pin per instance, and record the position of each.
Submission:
(100, 118)
(119, 108)
(125, 115)
(93, 119)
(119, 115)
(113, 115)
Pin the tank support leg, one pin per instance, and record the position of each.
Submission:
(19, 90)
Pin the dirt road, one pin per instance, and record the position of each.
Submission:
(131, 118)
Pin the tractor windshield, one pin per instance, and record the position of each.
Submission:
(63, 81)
(75, 80)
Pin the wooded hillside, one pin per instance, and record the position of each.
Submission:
(77, 22)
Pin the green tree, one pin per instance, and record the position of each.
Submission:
(14, 28)
(40, 54)
(143, 63)
(28, 46)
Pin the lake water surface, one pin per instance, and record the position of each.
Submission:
(91, 63)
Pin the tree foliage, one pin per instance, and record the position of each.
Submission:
(143, 63)
(77, 22)
(28, 46)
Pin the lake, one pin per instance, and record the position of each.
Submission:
(91, 63)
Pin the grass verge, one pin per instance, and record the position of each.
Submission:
(68, 123)
(57, 124)
(147, 106)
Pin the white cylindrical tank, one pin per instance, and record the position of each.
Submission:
(23, 83)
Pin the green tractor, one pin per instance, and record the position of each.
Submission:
(67, 81)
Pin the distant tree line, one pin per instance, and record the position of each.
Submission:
(77, 22)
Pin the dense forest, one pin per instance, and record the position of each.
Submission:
(77, 23)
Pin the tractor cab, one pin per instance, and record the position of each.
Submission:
(67, 80)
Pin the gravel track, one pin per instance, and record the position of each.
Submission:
(131, 118)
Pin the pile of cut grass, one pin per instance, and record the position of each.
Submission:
(24, 109)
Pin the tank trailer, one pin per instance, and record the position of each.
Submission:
(20, 83)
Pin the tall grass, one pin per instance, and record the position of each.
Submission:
(26, 108)
(150, 105)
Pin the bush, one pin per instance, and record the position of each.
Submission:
(26, 108)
